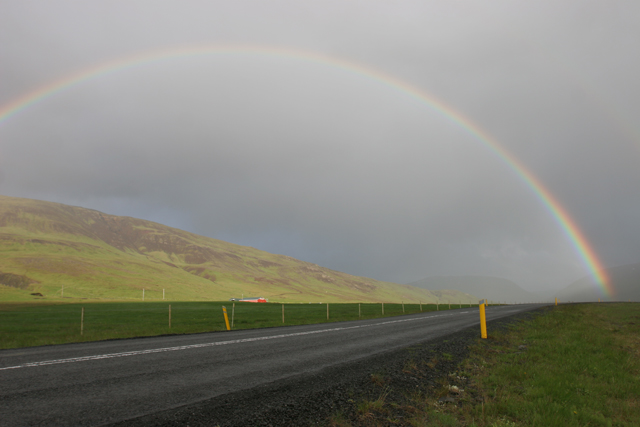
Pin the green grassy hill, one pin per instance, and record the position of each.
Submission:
(47, 247)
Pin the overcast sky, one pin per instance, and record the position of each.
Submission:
(305, 158)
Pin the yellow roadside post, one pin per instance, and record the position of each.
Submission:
(556, 300)
(483, 319)
(226, 318)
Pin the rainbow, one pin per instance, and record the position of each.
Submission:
(560, 215)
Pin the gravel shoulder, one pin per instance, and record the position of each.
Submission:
(312, 399)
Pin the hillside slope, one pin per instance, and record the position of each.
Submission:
(492, 288)
(625, 282)
(55, 249)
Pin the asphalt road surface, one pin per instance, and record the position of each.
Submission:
(105, 382)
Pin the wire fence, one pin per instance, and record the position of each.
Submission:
(54, 324)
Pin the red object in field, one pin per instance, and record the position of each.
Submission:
(253, 299)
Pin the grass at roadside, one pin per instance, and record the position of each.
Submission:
(29, 324)
(576, 365)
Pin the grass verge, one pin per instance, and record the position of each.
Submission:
(575, 365)
(32, 324)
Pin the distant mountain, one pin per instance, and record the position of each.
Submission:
(450, 296)
(45, 247)
(625, 281)
(481, 287)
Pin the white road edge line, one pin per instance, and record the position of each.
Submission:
(211, 344)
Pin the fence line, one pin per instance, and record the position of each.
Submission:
(59, 323)
(246, 308)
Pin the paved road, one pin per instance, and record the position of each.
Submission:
(105, 382)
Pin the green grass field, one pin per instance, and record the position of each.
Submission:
(32, 324)
(576, 365)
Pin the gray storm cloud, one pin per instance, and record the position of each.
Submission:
(310, 160)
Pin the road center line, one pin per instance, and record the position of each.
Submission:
(212, 344)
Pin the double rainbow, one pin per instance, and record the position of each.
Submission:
(566, 223)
